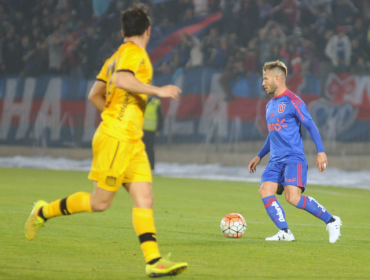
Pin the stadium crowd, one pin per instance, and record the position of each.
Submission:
(75, 37)
(71, 37)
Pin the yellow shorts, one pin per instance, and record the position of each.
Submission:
(117, 162)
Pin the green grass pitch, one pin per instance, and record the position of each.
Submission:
(187, 215)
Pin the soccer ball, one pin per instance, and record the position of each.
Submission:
(233, 225)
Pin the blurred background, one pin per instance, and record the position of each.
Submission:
(51, 51)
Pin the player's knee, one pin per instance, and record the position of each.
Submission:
(100, 206)
(144, 201)
(292, 199)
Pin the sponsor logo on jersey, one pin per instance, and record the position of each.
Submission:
(279, 211)
(290, 180)
(276, 126)
(272, 114)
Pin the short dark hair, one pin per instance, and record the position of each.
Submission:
(135, 21)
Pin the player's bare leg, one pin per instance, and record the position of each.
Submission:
(100, 199)
(275, 211)
(294, 196)
(142, 216)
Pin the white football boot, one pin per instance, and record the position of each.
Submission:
(334, 229)
(282, 236)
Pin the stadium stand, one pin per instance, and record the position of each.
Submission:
(213, 50)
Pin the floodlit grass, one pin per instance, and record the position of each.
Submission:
(187, 215)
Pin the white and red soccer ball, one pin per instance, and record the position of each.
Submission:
(233, 225)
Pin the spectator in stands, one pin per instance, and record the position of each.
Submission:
(42, 57)
(72, 21)
(183, 50)
(251, 57)
(310, 63)
(209, 45)
(230, 15)
(213, 5)
(221, 55)
(358, 55)
(37, 36)
(165, 25)
(361, 67)
(264, 10)
(322, 20)
(296, 38)
(249, 14)
(87, 50)
(315, 12)
(196, 54)
(185, 9)
(344, 12)
(234, 68)
(275, 53)
(292, 58)
(4, 18)
(30, 63)
(63, 11)
(339, 51)
(55, 42)
(47, 21)
(69, 62)
(358, 31)
(19, 23)
(303, 20)
(11, 52)
(321, 5)
(269, 36)
(288, 13)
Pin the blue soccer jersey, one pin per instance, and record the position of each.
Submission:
(284, 115)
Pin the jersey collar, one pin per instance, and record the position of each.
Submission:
(281, 95)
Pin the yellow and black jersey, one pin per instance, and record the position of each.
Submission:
(123, 115)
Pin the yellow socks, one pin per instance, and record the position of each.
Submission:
(145, 230)
(75, 203)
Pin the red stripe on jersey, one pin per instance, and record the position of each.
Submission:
(297, 99)
(294, 97)
(298, 110)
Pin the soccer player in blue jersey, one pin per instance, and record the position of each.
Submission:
(287, 167)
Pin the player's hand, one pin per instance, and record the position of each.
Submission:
(321, 161)
(253, 164)
(169, 91)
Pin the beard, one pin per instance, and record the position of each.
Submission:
(272, 89)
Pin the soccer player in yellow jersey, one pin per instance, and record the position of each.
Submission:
(119, 157)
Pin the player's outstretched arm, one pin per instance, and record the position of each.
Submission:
(128, 82)
(253, 164)
(97, 95)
